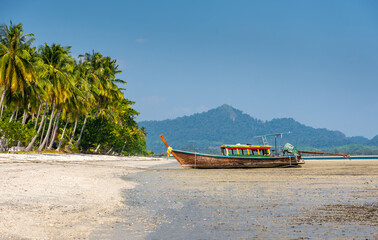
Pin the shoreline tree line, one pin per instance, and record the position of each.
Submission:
(52, 101)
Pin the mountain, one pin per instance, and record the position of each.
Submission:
(227, 125)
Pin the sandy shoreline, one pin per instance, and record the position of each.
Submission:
(46, 196)
(323, 199)
(68, 196)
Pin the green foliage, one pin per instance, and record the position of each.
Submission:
(12, 132)
(125, 138)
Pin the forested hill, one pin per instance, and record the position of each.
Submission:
(227, 125)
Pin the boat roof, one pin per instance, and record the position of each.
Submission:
(245, 146)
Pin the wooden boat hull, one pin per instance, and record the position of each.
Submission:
(198, 160)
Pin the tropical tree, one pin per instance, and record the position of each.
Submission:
(98, 73)
(39, 101)
(81, 101)
(45, 93)
(59, 66)
(103, 71)
(17, 74)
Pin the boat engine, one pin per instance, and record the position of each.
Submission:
(291, 149)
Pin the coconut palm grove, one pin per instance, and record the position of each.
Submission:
(51, 101)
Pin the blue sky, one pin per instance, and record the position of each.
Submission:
(314, 61)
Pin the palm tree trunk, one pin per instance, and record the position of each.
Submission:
(25, 116)
(30, 146)
(14, 112)
(16, 116)
(2, 99)
(123, 148)
(2, 109)
(39, 111)
(98, 146)
(43, 131)
(64, 130)
(48, 130)
(55, 130)
(52, 132)
(82, 130)
(73, 134)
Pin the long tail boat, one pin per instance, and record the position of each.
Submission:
(235, 156)
(242, 156)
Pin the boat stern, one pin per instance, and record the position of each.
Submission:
(300, 160)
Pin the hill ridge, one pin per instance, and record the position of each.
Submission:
(226, 124)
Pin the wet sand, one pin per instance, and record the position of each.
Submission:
(322, 199)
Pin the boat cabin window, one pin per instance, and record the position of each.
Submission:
(245, 151)
(261, 152)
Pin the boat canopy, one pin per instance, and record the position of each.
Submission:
(246, 150)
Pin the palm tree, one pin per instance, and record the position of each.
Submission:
(16, 71)
(113, 92)
(104, 91)
(59, 65)
(102, 79)
(30, 146)
(82, 98)
(41, 98)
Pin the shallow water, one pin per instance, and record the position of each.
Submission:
(315, 201)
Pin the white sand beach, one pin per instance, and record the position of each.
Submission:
(62, 196)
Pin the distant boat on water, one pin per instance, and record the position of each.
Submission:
(243, 156)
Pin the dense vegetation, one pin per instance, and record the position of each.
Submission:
(226, 125)
(49, 100)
